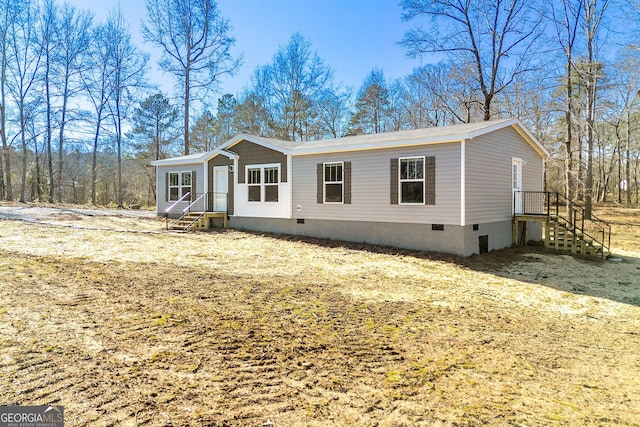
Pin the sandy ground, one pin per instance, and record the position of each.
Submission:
(82, 217)
(125, 324)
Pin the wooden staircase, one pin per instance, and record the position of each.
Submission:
(561, 236)
(566, 226)
(192, 221)
(188, 221)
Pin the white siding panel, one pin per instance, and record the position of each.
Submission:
(488, 174)
(161, 186)
(370, 187)
(279, 209)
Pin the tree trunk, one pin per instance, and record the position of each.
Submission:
(620, 158)
(628, 159)
(8, 193)
(65, 96)
(38, 191)
(119, 147)
(94, 160)
(186, 111)
(47, 90)
(23, 142)
(568, 163)
(487, 107)
(591, 101)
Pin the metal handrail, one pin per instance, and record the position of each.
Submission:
(185, 210)
(177, 201)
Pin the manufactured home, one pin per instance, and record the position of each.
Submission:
(450, 189)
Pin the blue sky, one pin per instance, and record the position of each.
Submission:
(351, 36)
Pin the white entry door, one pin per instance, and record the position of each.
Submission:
(220, 188)
(516, 185)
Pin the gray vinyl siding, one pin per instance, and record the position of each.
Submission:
(488, 161)
(161, 186)
(370, 187)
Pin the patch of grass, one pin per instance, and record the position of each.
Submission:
(161, 319)
(394, 376)
(556, 417)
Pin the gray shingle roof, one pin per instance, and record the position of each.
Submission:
(440, 133)
(432, 135)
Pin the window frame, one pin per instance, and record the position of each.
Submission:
(263, 184)
(420, 180)
(180, 186)
(267, 182)
(251, 174)
(325, 182)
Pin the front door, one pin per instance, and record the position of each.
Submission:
(220, 188)
(516, 185)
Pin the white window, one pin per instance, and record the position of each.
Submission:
(179, 185)
(254, 182)
(271, 181)
(334, 182)
(411, 180)
(263, 182)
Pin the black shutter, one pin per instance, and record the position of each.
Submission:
(347, 183)
(393, 181)
(430, 181)
(320, 183)
(166, 187)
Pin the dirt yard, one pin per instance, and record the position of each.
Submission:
(125, 324)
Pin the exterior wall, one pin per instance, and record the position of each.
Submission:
(370, 187)
(279, 209)
(400, 235)
(254, 154)
(488, 160)
(222, 161)
(162, 188)
(498, 233)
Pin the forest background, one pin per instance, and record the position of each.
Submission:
(80, 119)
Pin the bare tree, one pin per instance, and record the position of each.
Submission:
(498, 38)
(8, 11)
(47, 27)
(97, 81)
(566, 17)
(594, 11)
(25, 55)
(128, 66)
(441, 94)
(290, 87)
(72, 44)
(626, 95)
(195, 40)
(421, 105)
(333, 112)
